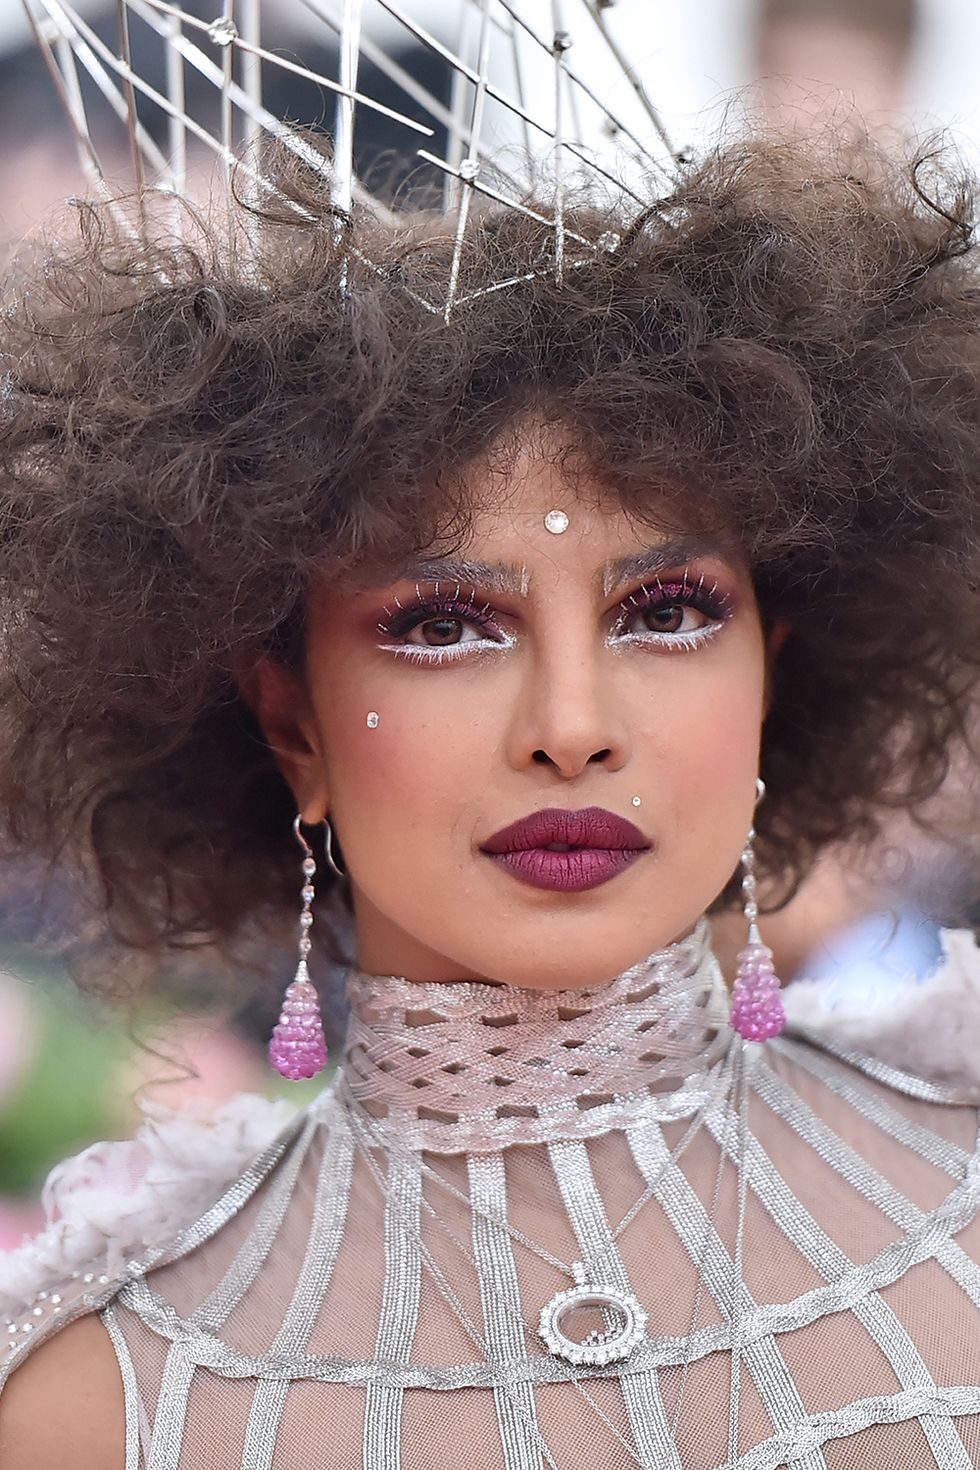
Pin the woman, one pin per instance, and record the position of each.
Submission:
(558, 620)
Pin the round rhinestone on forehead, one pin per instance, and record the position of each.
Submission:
(556, 521)
(373, 719)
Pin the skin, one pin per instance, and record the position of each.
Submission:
(572, 710)
(569, 711)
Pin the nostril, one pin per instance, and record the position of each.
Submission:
(600, 755)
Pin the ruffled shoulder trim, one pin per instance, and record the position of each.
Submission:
(928, 1029)
(119, 1199)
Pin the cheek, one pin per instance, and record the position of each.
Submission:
(708, 749)
(419, 761)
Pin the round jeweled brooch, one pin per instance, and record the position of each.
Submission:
(592, 1325)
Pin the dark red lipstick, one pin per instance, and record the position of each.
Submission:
(568, 851)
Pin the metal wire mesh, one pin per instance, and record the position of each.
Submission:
(525, 102)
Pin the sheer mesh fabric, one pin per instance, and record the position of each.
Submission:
(362, 1297)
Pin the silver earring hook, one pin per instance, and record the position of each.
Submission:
(307, 849)
(328, 845)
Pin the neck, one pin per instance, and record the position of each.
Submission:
(467, 1061)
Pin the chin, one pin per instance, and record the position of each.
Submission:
(572, 965)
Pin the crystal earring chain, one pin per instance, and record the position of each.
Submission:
(298, 1047)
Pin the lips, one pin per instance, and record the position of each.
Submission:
(565, 851)
(590, 827)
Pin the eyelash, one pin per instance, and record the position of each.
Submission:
(710, 601)
(400, 621)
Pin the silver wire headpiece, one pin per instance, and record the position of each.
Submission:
(540, 102)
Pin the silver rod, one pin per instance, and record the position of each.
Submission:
(195, 128)
(573, 96)
(577, 81)
(458, 133)
(279, 130)
(75, 48)
(250, 64)
(558, 54)
(403, 79)
(352, 96)
(480, 187)
(68, 93)
(629, 72)
(242, 44)
(343, 143)
(176, 131)
(421, 34)
(515, 51)
(227, 111)
(126, 56)
(91, 166)
(470, 166)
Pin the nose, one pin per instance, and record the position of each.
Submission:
(567, 717)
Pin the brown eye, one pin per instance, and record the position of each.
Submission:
(665, 619)
(441, 632)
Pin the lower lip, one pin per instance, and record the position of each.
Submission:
(567, 872)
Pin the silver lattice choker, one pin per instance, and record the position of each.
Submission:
(439, 1063)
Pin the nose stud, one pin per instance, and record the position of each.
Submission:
(556, 521)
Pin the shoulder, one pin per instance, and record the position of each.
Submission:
(110, 1210)
(121, 1199)
(65, 1404)
(919, 1037)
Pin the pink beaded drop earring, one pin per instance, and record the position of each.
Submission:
(298, 1047)
(757, 1003)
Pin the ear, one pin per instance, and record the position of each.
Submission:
(279, 701)
(775, 639)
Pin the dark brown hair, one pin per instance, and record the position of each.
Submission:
(785, 347)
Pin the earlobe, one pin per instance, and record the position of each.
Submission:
(280, 703)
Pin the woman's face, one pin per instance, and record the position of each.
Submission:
(602, 667)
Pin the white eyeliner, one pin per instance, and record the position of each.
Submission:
(448, 653)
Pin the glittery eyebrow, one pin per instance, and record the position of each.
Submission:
(656, 559)
(513, 581)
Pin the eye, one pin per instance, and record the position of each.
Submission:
(435, 627)
(674, 614)
(672, 617)
(441, 632)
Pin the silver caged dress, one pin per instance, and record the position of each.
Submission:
(587, 1229)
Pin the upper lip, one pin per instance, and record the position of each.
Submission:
(591, 826)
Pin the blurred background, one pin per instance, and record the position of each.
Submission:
(72, 1068)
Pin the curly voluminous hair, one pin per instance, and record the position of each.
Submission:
(787, 347)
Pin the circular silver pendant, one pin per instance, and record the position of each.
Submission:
(592, 1325)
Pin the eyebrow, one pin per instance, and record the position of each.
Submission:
(513, 581)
